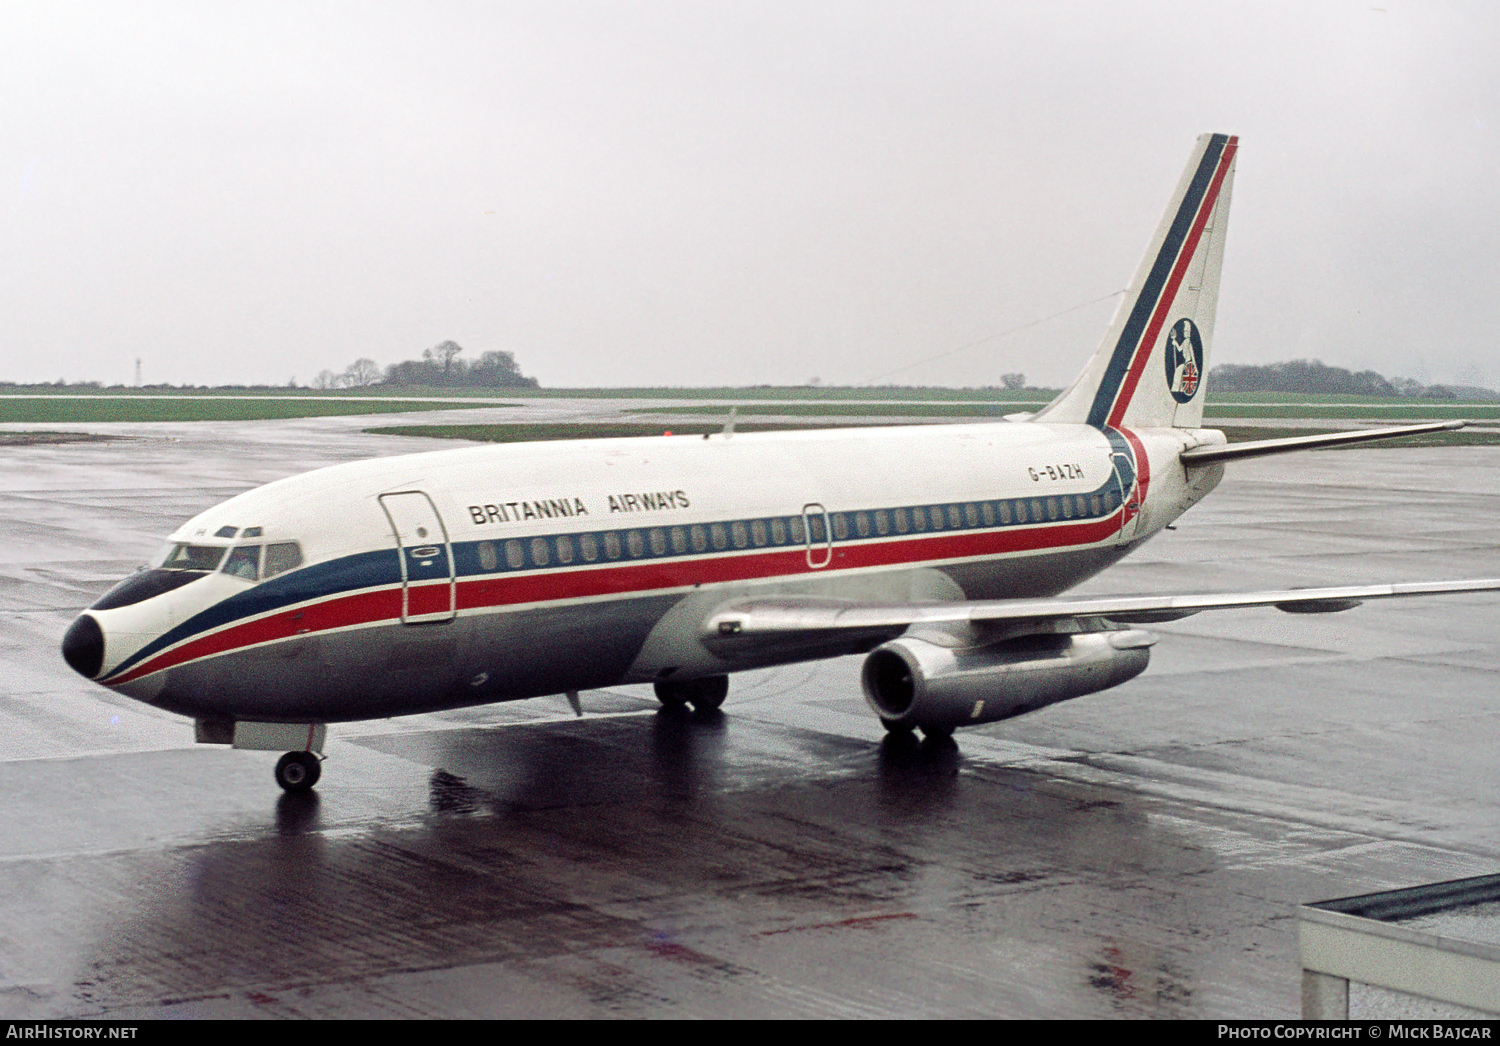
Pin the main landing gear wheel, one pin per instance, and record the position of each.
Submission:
(705, 695)
(298, 771)
(938, 736)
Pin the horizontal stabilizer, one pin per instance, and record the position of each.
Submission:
(791, 617)
(1261, 447)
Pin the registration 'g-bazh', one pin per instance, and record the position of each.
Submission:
(494, 573)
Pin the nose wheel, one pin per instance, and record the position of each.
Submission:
(298, 771)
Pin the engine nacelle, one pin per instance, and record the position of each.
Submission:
(913, 682)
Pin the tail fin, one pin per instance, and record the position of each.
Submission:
(1149, 370)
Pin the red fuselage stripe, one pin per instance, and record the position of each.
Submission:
(497, 591)
(1142, 468)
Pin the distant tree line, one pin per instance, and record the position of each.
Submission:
(439, 367)
(1315, 376)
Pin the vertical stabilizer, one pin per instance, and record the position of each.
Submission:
(1149, 370)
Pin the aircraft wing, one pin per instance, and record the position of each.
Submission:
(1261, 447)
(789, 617)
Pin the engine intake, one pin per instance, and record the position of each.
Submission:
(914, 682)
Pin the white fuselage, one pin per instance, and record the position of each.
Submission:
(492, 573)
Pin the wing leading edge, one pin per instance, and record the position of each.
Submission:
(768, 618)
(1197, 456)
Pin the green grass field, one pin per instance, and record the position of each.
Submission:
(524, 433)
(72, 405)
(757, 392)
(862, 410)
(529, 433)
(1394, 410)
(89, 410)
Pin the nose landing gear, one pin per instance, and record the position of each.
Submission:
(298, 770)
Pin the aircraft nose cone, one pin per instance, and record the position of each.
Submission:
(83, 646)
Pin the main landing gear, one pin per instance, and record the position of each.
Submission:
(705, 695)
(936, 737)
(298, 771)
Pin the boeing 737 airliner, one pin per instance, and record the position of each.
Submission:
(494, 573)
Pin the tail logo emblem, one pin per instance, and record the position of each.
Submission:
(1184, 360)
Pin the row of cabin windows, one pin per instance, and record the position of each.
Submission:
(564, 549)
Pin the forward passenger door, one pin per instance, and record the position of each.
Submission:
(428, 590)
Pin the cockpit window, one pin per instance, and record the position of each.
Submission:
(174, 566)
(244, 562)
(281, 557)
(192, 557)
(180, 563)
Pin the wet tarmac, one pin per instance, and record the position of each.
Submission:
(1137, 853)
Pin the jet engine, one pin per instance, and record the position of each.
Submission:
(916, 682)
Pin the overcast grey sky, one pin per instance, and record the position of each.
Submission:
(755, 192)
